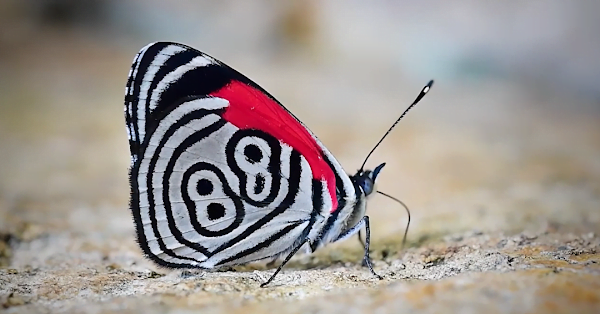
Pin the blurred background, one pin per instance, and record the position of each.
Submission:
(507, 140)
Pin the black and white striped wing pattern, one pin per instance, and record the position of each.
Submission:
(221, 174)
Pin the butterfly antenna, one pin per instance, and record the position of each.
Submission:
(407, 211)
(421, 95)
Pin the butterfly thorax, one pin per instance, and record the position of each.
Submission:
(364, 185)
(345, 220)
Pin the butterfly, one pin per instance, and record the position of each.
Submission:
(223, 174)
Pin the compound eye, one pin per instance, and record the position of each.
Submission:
(367, 186)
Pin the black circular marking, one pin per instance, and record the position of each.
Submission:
(164, 187)
(253, 153)
(272, 171)
(204, 187)
(191, 204)
(215, 211)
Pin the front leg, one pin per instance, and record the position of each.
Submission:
(362, 243)
(367, 259)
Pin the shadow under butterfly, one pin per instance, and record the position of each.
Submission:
(222, 174)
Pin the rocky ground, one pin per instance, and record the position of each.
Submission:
(504, 188)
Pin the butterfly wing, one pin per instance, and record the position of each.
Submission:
(222, 173)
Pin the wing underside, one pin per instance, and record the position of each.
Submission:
(215, 182)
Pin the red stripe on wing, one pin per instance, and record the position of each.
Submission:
(250, 108)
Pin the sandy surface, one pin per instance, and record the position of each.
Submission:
(504, 188)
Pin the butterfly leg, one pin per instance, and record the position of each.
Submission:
(360, 239)
(367, 259)
(363, 245)
(287, 259)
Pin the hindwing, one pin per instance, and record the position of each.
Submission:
(222, 173)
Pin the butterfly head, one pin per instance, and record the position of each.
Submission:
(366, 179)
